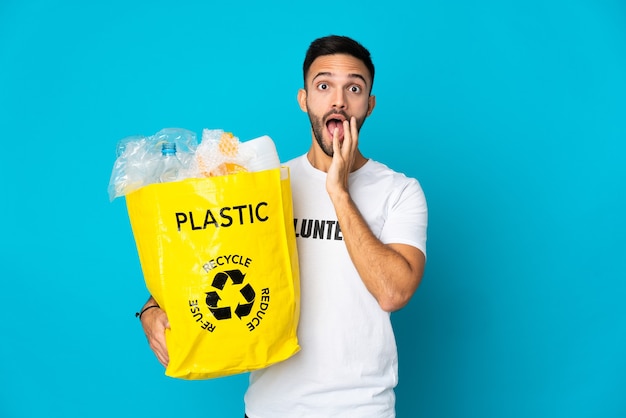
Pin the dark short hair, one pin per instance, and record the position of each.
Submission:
(334, 44)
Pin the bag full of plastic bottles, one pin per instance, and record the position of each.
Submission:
(213, 224)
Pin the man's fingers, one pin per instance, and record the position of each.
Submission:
(347, 136)
(355, 133)
(154, 323)
(163, 359)
(350, 137)
(159, 347)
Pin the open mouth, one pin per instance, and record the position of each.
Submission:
(334, 123)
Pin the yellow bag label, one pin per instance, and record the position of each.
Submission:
(219, 256)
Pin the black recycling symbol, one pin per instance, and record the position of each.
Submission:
(213, 298)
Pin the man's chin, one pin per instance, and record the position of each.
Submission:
(328, 150)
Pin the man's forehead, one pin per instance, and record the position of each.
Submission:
(339, 65)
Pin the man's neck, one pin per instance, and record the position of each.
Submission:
(321, 161)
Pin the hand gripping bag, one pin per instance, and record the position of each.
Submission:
(219, 256)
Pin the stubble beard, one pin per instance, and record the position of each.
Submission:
(319, 127)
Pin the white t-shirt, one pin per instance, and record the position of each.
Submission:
(348, 362)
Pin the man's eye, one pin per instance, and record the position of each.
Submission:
(323, 86)
(355, 89)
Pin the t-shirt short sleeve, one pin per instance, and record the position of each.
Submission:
(407, 217)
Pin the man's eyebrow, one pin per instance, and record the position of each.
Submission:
(329, 74)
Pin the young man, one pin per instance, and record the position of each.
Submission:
(351, 279)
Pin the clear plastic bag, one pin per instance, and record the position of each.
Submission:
(138, 159)
(141, 159)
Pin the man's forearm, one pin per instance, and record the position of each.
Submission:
(390, 272)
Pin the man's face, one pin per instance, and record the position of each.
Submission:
(337, 88)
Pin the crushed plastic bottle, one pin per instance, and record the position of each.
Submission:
(169, 166)
(139, 159)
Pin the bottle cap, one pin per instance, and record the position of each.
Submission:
(168, 148)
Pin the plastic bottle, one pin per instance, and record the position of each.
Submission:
(170, 164)
(121, 147)
(262, 153)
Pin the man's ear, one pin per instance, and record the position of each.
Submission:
(302, 99)
(371, 104)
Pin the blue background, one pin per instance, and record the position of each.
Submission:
(511, 115)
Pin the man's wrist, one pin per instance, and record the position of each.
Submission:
(140, 313)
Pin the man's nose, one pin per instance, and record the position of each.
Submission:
(339, 99)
